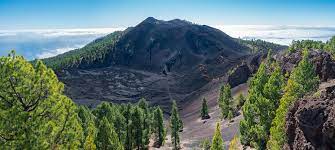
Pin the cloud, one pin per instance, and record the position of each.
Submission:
(54, 52)
(60, 32)
(279, 34)
(43, 43)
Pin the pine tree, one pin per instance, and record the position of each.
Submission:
(119, 123)
(206, 144)
(217, 141)
(259, 110)
(302, 80)
(34, 112)
(230, 115)
(85, 117)
(90, 136)
(234, 145)
(129, 136)
(103, 110)
(204, 109)
(107, 138)
(159, 129)
(249, 109)
(175, 125)
(137, 122)
(225, 100)
(147, 116)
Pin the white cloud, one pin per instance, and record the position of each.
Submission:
(54, 52)
(62, 32)
(278, 34)
(43, 43)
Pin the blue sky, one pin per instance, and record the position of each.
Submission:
(45, 28)
(46, 14)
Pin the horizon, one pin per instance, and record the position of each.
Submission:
(61, 14)
(44, 43)
(41, 29)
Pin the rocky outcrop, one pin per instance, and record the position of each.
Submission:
(241, 73)
(323, 63)
(310, 123)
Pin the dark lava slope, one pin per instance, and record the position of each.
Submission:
(158, 60)
(310, 123)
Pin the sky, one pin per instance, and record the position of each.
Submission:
(46, 14)
(45, 28)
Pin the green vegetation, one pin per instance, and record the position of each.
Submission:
(225, 101)
(302, 80)
(329, 46)
(234, 143)
(34, 112)
(217, 141)
(107, 138)
(257, 45)
(206, 144)
(240, 101)
(204, 109)
(94, 52)
(89, 140)
(36, 115)
(265, 90)
(175, 125)
(159, 130)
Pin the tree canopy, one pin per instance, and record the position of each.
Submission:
(34, 112)
(265, 90)
(303, 79)
(217, 141)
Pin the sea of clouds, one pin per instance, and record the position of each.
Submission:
(37, 44)
(279, 34)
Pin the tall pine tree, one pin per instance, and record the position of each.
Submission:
(159, 129)
(137, 122)
(175, 125)
(147, 117)
(217, 141)
(107, 138)
(86, 117)
(129, 127)
(265, 90)
(303, 79)
(90, 137)
(204, 109)
(225, 100)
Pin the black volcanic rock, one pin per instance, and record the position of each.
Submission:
(323, 62)
(160, 61)
(310, 122)
(162, 45)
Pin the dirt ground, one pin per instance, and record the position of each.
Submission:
(196, 130)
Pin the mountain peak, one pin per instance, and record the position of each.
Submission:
(150, 20)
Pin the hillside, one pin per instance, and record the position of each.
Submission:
(158, 60)
(144, 46)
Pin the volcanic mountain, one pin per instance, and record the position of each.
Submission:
(157, 60)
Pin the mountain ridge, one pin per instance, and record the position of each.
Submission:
(118, 47)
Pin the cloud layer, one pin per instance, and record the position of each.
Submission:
(279, 34)
(50, 42)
